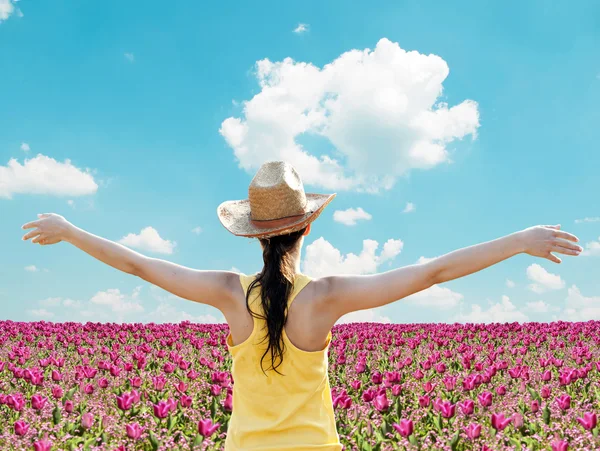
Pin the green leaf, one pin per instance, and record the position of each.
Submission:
(413, 440)
(515, 442)
(534, 394)
(385, 428)
(69, 395)
(366, 446)
(197, 440)
(546, 415)
(437, 420)
(454, 442)
(56, 415)
(170, 422)
(595, 432)
(154, 441)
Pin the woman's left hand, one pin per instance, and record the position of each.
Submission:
(50, 228)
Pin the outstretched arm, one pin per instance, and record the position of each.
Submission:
(346, 293)
(214, 288)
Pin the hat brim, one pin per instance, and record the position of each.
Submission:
(235, 217)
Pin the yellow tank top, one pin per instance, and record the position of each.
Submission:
(293, 412)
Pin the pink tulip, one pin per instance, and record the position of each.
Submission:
(564, 402)
(87, 419)
(185, 401)
(424, 401)
(42, 445)
(560, 445)
(38, 402)
(161, 410)
(589, 420)
(228, 404)
(206, 428)
(57, 392)
(134, 431)
(473, 430)
(535, 405)
(485, 398)
(545, 392)
(467, 406)
(447, 409)
(69, 406)
(21, 427)
(405, 428)
(499, 422)
(517, 420)
(376, 378)
(103, 382)
(381, 403)
(125, 401)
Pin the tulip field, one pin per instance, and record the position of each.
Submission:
(534, 386)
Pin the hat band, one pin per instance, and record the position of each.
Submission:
(272, 223)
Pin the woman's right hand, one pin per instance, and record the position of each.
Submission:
(541, 241)
(50, 229)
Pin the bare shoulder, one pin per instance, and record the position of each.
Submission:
(338, 295)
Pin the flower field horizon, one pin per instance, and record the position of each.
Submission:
(489, 387)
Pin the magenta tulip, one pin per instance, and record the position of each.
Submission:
(405, 428)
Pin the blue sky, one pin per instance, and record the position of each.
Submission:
(144, 118)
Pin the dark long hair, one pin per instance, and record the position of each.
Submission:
(276, 281)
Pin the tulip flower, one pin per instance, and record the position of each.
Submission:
(161, 410)
(134, 431)
(87, 419)
(381, 403)
(499, 422)
(473, 431)
(405, 428)
(206, 428)
(21, 427)
(485, 398)
(42, 445)
(589, 420)
(560, 445)
(564, 402)
(38, 402)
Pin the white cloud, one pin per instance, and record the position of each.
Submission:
(6, 9)
(197, 230)
(543, 279)
(129, 57)
(595, 219)
(422, 260)
(50, 302)
(71, 203)
(579, 307)
(118, 302)
(350, 216)
(234, 269)
(364, 316)
(322, 259)
(410, 207)
(149, 240)
(41, 313)
(510, 283)
(378, 108)
(435, 297)
(540, 307)
(166, 313)
(502, 312)
(592, 248)
(31, 268)
(301, 28)
(25, 147)
(44, 175)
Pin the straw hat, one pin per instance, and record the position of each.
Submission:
(276, 204)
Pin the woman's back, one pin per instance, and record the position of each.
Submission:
(288, 411)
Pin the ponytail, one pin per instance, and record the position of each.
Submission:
(277, 281)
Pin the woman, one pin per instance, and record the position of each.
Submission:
(283, 318)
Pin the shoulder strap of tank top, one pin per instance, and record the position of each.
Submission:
(300, 281)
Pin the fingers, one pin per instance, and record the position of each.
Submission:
(553, 258)
(38, 238)
(565, 250)
(31, 224)
(566, 236)
(567, 244)
(31, 234)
